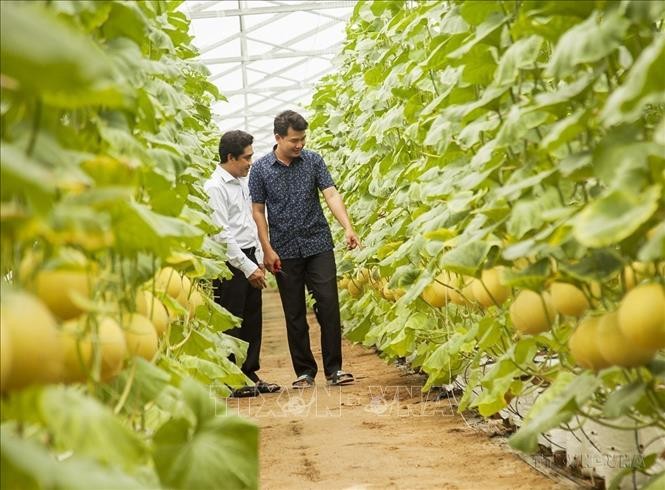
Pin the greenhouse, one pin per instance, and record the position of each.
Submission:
(330, 244)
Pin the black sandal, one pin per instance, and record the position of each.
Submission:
(303, 381)
(340, 378)
(265, 387)
(245, 392)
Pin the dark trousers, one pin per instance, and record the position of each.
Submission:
(318, 273)
(239, 297)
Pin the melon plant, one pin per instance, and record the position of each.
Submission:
(520, 137)
(106, 140)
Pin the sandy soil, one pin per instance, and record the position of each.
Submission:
(378, 433)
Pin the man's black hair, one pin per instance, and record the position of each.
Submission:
(233, 143)
(289, 119)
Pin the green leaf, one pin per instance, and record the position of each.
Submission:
(654, 248)
(404, 275)
(217, 371)
(575, 164)
(560, 409)
(564, 95)
(655, 482)
(496, 383)
(588, 42)
(80, 226)
(522, 180)
(364, 11)
(621, 163)
(494, 21)
(218, 452)
(477, 12)
(518, 123)
(564, 130)
(91, 15)
(490, 333)
(34, 43)
(479, 66)
(197, 344)
(147, 383)
(645, 11)
(472, 383)
(139, 228)
(126, 20)
(122, 144)
(558, 386)
(520, 55)
(378, 7)
(443, 364)
(452, 22)
(645, 84)
(217, 318)
(375, 76)
(400, 345)
(23, 176)
(223, 453)
(615, 216)
(82, 424)
(439, 133)
(621, 401)
(199, 401)
(532, 277)
(472, 133)
(440, 234)
(527, 214)
(597, 265)
(28, 465)
(171, 200)
(466, 258)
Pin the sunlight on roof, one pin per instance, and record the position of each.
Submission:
(266, 56)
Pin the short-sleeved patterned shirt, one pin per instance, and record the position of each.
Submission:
(297, 225)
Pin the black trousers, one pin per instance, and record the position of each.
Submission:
(239, 297)
(318, 273)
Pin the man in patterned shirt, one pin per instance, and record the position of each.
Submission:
(298, 245)
(241, 294)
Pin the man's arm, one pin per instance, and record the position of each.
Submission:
(234, 254)
(336, 205)
(270, 257)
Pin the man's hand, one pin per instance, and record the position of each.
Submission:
(271, 260)
(258, 279)
(352, 240)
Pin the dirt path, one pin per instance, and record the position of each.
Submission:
(379, 433)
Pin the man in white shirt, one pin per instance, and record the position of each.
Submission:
(232, 211)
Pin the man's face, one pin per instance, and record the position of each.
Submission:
(242, 164)
(291, 145)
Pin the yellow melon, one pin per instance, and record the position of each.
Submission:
(642, 316)
(532, 313)
(152, 308)
(616, 348)
(80, 340)
(583, 345)
(568, 299)
(490, 290)
(140, 335)
(32, 333)
(434, 293)
(5, 356)
(354, 288)
(58, 289)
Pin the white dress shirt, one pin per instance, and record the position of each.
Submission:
(232, 211)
